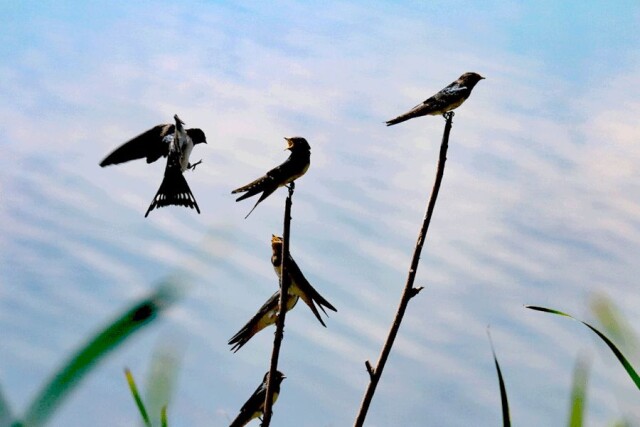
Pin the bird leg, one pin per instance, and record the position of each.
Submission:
(448, 115)
(291, 186)
(193, 166)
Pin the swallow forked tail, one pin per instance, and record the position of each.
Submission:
(404, 117)
(313, 298)
(174, 190)
(303, 289)
(241, 337)
(265, 185)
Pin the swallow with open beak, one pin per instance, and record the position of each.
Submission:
(299, 285)
(292, 168)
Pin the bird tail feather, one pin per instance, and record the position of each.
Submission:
(174, 190)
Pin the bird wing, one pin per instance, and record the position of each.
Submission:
(443, 98)
(149, 144)
(266, 316)
(252, 407)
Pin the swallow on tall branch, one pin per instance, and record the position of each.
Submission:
(299, 285)
(166, 140)
(447, 99)
(267, 315)
(254, 407)
(293, 168)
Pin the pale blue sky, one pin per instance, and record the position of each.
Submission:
(539, 205)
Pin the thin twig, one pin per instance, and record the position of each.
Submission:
(409, 291)
(284, 287)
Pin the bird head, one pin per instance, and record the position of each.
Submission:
(278, 377)
(197, 136)
(179, 122)
(276, 243)
(297, 143)
(470, 79)
(177, 119)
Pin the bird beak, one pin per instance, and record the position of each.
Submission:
(482, 78)
(177, 119)
(289, 144)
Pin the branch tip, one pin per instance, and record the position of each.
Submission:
(369, 369)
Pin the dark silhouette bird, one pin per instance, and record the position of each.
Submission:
(299, 285)
(166, 140)
(254, 407)
(293, 168)
(267, 315)
(449, 98)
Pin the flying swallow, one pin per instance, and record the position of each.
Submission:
(166, 140)
(299, 285)
(267, 315)
(447, 99)
(254, 407)
(293, 168)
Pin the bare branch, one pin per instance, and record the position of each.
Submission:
(367, 364)
(409, 291)
(284, 287)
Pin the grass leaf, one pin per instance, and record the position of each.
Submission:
(163, 417)
(623, 360)
(162, 377)
(65, 380)
(506, 418)
(578, 394)
(137, 398)
(615, 325)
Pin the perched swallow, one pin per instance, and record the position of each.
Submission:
(254, 407)
(299, 285)
(266, 316)
(449, 98)
(293, 168)
(167, 140)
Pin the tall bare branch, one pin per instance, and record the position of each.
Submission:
(409, 290)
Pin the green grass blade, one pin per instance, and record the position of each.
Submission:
(506, 418)
(578, 394)
(85, 359)
(162, 377)
(6, 418)
(615, 325)
(137, 398)
(163, 417)
(623, 360)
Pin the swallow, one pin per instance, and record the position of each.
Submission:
(166, 140)
(299, 285)
(449, 98)
(267, 315)
(292, 168)
(254, 407)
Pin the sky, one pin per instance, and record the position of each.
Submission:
(540, 202)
